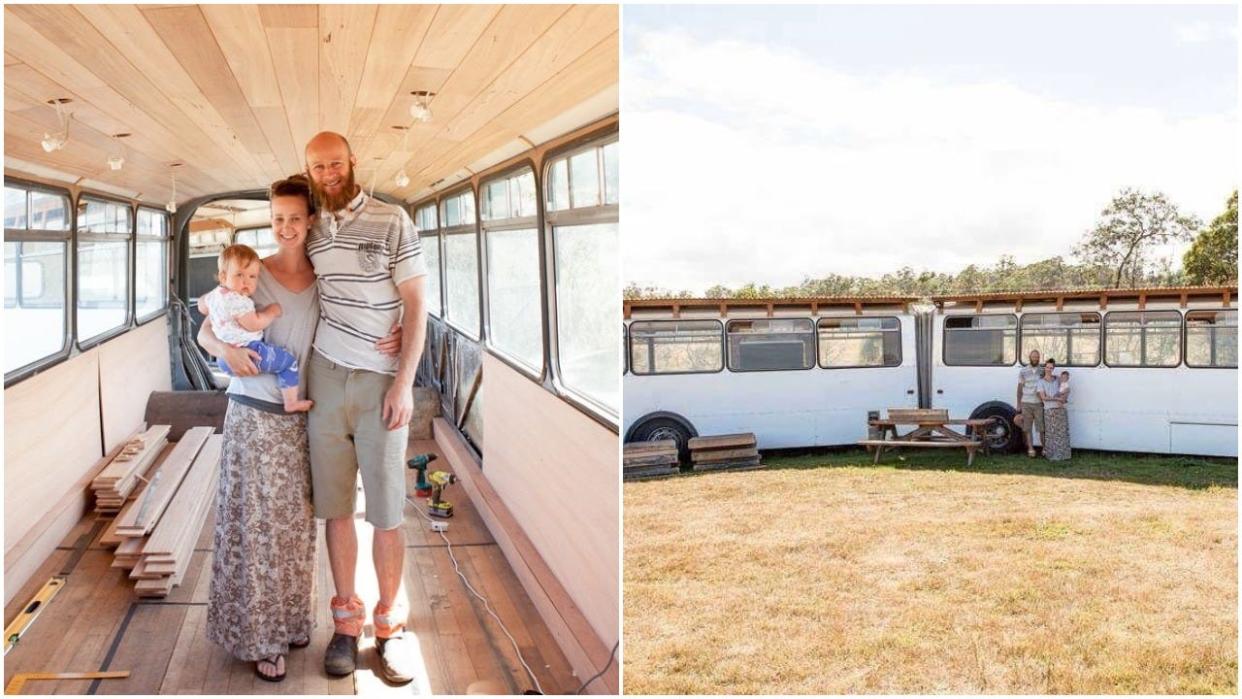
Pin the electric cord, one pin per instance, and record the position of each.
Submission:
(486, 605)
(600, 674)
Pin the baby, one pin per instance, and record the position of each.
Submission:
(1063, 387)
(235, 321)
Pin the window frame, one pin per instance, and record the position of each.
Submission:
(944, 339)
(1069, 345)
(461, 229)
(1181, 347)
(69, 238)
(434, 204)
(78, 238)
(168, 255)
(499, 226)
(901, 355)
(629, 347)
(550, 220)
(814, 345)
(1212, 343)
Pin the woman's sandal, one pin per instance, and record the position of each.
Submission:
(274, 662)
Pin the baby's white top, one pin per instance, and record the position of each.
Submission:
(224, 307)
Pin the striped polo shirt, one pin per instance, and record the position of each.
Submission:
(360, 255)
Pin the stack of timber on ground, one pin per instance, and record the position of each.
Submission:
(726, 451)
(155, 530)
(650, 459)
(118, 479)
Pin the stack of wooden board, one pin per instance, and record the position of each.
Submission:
(648, 459)
(156, 529)
(120, 477)
(727, 451)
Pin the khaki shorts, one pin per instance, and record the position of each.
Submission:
(347, 435)
(1032, 416)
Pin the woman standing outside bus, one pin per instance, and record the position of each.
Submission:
(1055, 394)
(260, 603)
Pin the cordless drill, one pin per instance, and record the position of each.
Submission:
(419, 463)
(437, 506)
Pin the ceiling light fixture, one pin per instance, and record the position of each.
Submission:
(171, 206)
(56, 141)
(116, 159)
(420, 110)
(402, 180)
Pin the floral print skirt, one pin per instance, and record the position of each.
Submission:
(1056, 435)
(262, 573)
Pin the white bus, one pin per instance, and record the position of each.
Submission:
(1154, 370)
(140, 140)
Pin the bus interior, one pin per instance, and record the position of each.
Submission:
(140, 140)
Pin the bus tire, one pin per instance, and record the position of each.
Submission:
(664, 426)
(1004, 437)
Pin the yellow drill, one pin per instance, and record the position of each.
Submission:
(437, 506)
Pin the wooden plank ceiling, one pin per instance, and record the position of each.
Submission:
(233, 92)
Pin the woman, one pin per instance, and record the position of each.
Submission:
(260, 603)
(1056, 419)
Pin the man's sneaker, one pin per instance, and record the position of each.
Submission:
(397, 662)
(342, 655)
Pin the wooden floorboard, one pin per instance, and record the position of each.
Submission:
(165, 648)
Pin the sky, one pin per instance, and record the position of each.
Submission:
(769, 144)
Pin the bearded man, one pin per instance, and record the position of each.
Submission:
(371, 273)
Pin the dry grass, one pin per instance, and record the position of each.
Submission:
(825, 576)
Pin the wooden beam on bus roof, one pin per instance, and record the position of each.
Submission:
(724, 310)
(1017, 305)
(978, 305)
(626, 309)
(815, 308)
(1142, 304)
(1184, 299)
(1060, 303)
(770, 309)
(676, 310)
(1225, 298)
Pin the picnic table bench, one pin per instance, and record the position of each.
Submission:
(931, 430)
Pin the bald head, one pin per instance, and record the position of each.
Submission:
(325, 140)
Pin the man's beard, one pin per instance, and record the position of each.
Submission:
(328, 202)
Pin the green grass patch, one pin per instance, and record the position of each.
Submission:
(1145, 469)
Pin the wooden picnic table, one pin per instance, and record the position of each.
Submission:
(932, 429)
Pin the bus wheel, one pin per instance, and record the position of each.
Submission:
(657, 428)
(1003, 436)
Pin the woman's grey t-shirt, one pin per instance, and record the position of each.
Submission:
(1050, 389)
(294, 330)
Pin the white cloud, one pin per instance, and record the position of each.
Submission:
(750, 163)
(1202, 32)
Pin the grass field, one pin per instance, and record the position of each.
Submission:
(824, 574)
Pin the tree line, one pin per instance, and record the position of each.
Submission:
(1116, 253)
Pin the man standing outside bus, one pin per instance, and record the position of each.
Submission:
(371, 271)
(1029, 405)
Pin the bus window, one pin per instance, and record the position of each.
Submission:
(35, 271)
(1073, 339)
(151, 264)
(585, 247)
(261, 239)
(676, 346)
(1142, 338)
(980, 340)
(425, 222)
(461, 263)
(1212, 339)
(511, 243)
(859, 342)
(768, 345)
(104, 231)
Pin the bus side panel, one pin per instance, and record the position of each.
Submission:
(130, 368)
(51, 440)
(814, 407)
(556, 469)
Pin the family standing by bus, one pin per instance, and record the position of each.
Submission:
(1042, 398)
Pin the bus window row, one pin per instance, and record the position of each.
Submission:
(707, 346)
(1209, 339)
(1201, 338)
(115, 254)
(550, 242)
